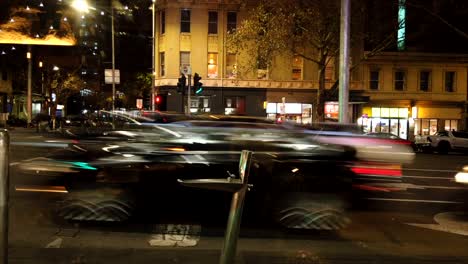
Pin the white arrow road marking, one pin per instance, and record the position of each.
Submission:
(442, 228)
(57, 243)
(449, 222)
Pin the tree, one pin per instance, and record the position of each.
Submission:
(305, 28)
(138, 86)
(64, 85)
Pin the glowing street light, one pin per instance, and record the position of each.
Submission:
(80, 5)
(55, 68)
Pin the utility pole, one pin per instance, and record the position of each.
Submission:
(113, 58)
(29, 99)
(344, 62)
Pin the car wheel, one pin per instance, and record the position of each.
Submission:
(104, 205)
(316, 212)
(443, 147)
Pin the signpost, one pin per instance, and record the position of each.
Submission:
(187, 70)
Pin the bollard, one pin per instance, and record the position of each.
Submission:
(4, 183)
(239, 186)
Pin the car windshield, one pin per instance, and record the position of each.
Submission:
(234, 131)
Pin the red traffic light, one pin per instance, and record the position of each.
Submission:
(158, 99)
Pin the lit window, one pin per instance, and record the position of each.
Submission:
(450, 81)
(212, 22)
(212, 65)
(451, 125)
(185, 20)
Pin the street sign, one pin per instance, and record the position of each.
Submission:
(108, 76)
(186, 70)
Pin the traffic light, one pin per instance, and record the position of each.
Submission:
(160, 102)
(181, 84)
(197, 85)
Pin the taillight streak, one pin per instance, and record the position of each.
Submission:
(377, 171)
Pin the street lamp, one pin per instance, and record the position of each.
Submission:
(82, 6)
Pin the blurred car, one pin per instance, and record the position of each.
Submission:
(296, 182)
(375, 148)
(393, 137)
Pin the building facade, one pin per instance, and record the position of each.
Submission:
(404, 93)
(414, 94)
(193, 33)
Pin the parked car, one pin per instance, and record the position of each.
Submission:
(445, 141)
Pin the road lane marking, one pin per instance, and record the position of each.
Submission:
(39, 144)
(449, 222)
(428, 177)
(442, 187)
(406, 169)
(413, 200)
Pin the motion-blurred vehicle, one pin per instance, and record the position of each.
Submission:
(446, 141)
(368, 147)
(296, 182)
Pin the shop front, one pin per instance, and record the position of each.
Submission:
(393, 120)
(296, 112)
(410, 122)
(430, 120)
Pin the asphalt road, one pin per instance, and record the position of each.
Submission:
(425, 222)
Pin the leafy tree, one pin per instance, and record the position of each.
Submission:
(138, 86)
(64, 85)
(305, 28)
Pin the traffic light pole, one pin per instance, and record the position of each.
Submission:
(189, 93)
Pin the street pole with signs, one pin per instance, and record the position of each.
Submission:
(187, 70)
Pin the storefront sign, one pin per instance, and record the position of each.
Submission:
(139, 103)
(331, 110)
